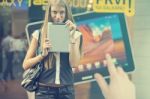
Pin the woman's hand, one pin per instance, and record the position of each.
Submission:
(72, 27)
(120, 86)
(46, 47)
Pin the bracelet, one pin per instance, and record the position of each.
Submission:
(73, 41)
(42, 54)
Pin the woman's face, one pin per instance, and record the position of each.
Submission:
(58, 13)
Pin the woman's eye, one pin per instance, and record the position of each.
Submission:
(62, 12)
(54, 12)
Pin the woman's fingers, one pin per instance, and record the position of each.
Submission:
(47, 40)
(70, 25)
(111, 67)
(102, 83)
(122, 73)
(47, 44)
(68, 22)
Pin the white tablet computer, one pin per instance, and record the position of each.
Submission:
(58, 34)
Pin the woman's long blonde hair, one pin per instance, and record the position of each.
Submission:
(50, 59)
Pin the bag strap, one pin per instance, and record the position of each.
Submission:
(39, 41)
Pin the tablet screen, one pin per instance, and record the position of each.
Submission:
(58, 34)
(102, 33)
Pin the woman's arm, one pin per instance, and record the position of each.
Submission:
(75, 51)
(75, 44)
(31, 59)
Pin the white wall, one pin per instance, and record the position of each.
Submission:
(141, 45)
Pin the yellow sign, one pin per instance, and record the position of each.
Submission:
(117, 6)
(29, 3)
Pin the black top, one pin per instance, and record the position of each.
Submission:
(66, 76)
(48, 75)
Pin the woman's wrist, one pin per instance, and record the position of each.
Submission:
(40, 57)
(73, 41)
(42, 54)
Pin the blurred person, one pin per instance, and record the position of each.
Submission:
(1, 37)
(8, 53)
(19, 47)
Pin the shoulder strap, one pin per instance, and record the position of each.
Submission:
(39, 41)
(39, 38)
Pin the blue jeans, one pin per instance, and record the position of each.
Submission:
(48, 92)
(9, 66)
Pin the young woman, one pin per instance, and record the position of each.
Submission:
(56, 80)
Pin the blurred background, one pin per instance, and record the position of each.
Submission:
(14, 44)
